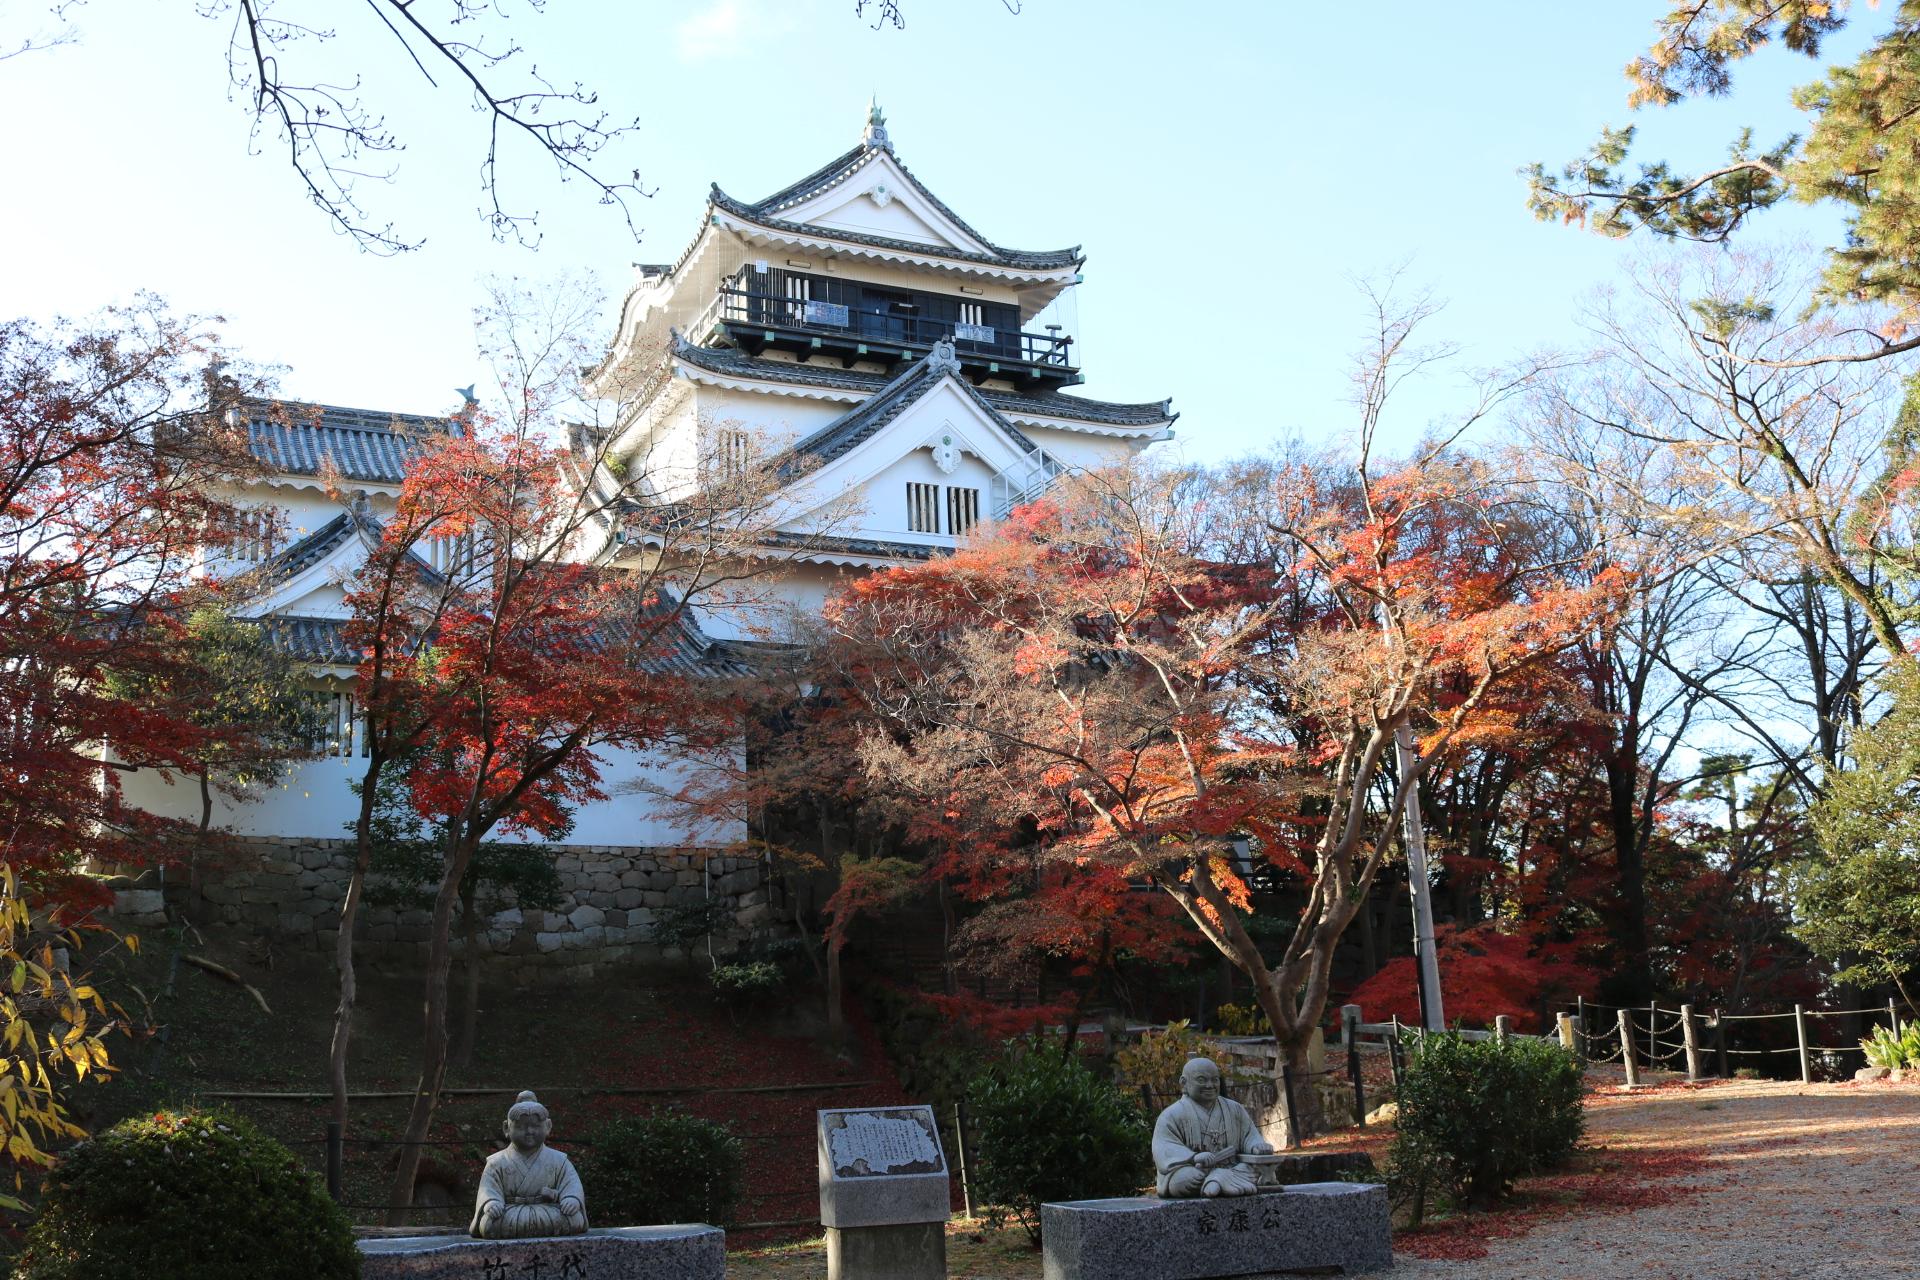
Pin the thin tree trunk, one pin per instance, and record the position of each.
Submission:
(470, 954)
(1634, 981)
(836, 1016)
(343, 945)
(200, 839)
(433, 1053)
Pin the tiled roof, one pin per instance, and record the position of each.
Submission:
(841, 168)
(1014, 258)
(830, 544)
(727, 360)
(320, 640)
(323, 641)
(361, 444)
(865, 419)
(310, 550)
(318, 545)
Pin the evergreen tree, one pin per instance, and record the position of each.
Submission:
(1862, 152)
(1859, 902)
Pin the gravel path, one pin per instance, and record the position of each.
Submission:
(1803, 1182)
(1800, 1182)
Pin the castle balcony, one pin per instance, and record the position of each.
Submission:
(825, 318)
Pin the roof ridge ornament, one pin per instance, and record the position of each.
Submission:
(875, 134)
(942, 359)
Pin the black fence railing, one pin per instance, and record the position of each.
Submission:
(852, 321)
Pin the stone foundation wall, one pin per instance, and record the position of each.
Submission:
(291, 889)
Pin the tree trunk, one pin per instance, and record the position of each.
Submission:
(1633, 981)
(433, 1052)
(200, 839)
(1292, 1033)
(470, 954)
(836, 1016)
(343, 945)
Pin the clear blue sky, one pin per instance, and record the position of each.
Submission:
(1230, 168)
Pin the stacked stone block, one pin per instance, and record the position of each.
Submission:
(291, 889)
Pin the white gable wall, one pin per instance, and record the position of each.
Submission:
(896, 220)
(313, 801)
(886, 495)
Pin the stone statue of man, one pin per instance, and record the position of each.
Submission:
(1198, 1141)
(529, 1189)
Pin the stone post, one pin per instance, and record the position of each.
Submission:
(1692, 1042)
(1502, 1027)
(1626, 1049)
(1800, 1030)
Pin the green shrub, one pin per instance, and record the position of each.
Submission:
(1476, 1114)
(687, 925)
(747, 984)
(666, 1167)
(1157, 1059)
(1247, 1019)
(1896, 1053)
(1049, 1129)
(186, 1196)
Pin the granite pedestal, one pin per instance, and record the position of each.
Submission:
(884, 1198)
(683, 1251)
(1316, 1224)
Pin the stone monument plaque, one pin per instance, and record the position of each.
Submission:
(884, 1196)
(867, 1144)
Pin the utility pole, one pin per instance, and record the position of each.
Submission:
(1427, 963)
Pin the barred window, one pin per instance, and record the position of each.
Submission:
(339, 732)
(457, 556)
(963, 510)
(247, 532)
(736, 451)
(923, 507)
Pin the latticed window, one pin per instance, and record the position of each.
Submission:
(923, 507)
(457, 556)
(247, 532)
(736, 451)
(963, 510)
(339, 732)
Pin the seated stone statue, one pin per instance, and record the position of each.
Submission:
(1198, 1141)
(529, 1189)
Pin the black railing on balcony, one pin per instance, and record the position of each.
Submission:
(891, 325)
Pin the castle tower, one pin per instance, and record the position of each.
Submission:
(894, 365)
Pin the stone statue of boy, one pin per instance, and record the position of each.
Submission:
(1198, 1141)
(528, 1189)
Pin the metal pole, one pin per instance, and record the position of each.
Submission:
(1653, 1036)
(1720, 1043)
(1433, 1011)
(960, 1146)
(335, 1160)
(1350, 1031)
(1693, 1045)
(1800, 1029)
(1626, 1048)
(1893, 1017)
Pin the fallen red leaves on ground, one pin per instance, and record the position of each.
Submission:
(1610, 1180)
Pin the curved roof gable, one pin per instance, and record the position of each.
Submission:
(803, 205)
(729, 363)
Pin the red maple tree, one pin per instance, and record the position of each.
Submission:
(114, 447)
(1143, 670)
